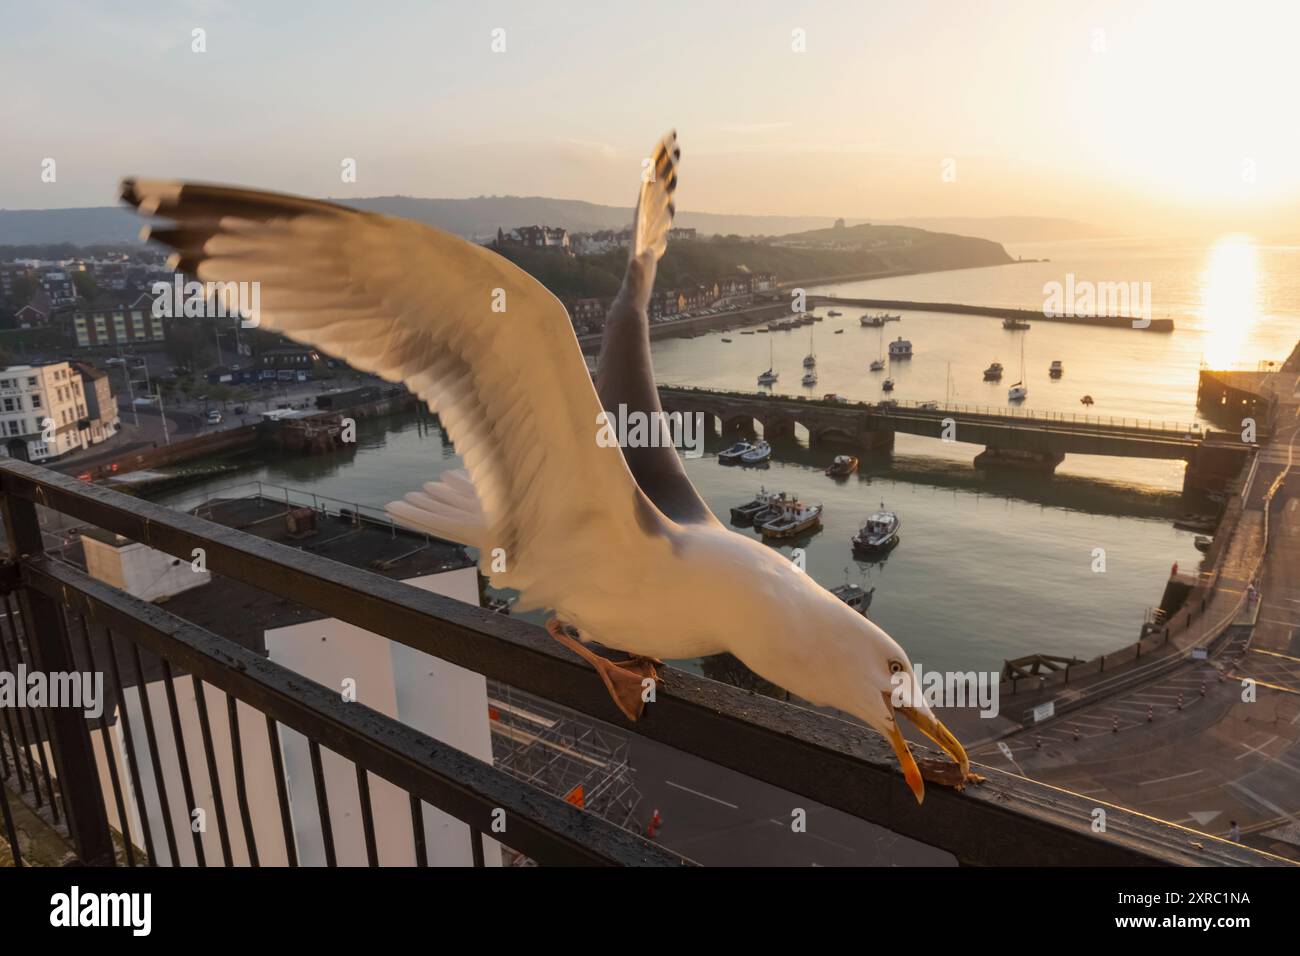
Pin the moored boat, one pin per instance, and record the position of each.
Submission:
(900, 348)
(731, 456)
(854, 596)
(1018, 325)
(878, 534)
(993, 373)
(756, 455)
(743, 515)
(1057, 369)
(794, 519)
(842, 466)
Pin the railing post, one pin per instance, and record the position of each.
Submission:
(74, 756)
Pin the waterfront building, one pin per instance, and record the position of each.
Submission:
(43, 411)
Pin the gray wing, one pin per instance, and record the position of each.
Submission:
(624, 372)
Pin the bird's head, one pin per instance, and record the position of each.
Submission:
(841, 659)
(893, 689)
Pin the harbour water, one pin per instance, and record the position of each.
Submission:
(989, 567)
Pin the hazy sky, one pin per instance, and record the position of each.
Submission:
(1140, 117)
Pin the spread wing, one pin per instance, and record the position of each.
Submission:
(624, 371)
(490, 350)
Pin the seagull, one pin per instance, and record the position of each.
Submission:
(616, 542)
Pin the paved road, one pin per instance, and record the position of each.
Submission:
(721, 818)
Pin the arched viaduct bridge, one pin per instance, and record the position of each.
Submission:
(1035, 440)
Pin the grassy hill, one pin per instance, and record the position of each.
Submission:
(819, 253)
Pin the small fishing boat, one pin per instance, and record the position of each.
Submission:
(832, 313)
(725, 339)
(809, 378)
(1057, 369)
(877, 365)
(900, 348)
(731, 456)
(842, 466)
(1202, 524)
(854, 596)
(878, 534)
(743, 515)
(1019, 391)
(1087, 400)
(774, 505)
(747, 332)
(759, 453)
(794, 519)
(871, 321)
(887, 385)
(993, 373)
(1015, 325)
(839, 331)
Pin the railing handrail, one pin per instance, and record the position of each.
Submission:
(455, 782)
(827, 759)
(1116, 424)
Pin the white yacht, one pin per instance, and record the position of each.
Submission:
(810, 378)
(900, 348)
(1019, 391)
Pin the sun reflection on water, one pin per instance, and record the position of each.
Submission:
(1229, 299)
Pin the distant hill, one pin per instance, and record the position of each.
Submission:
(480, 217)
(820, 253)
(1004, 228)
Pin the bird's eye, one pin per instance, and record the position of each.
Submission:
(895, 667)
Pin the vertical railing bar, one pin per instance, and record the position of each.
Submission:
(40, 728)
(281, 791)
(110, 753)
(219, 803)
(11, 831)
(151, 736)
(17, 737)
(182, 759)
(4, 753)
(367, 817)
(476, 846)
(322, 803)
(241, 788)
(417, 832)
(134, 765)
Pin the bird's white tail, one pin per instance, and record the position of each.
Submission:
(655, 208)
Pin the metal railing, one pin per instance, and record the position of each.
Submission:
(1089, 423)
(61, 614)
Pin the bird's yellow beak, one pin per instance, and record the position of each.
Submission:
(936, 731)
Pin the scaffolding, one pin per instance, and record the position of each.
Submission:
(563, 753)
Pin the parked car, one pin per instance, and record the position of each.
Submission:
(214, 417)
